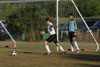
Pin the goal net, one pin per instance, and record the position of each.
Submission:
(26, 18)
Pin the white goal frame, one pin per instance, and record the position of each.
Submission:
(8, 34)
(57, 18)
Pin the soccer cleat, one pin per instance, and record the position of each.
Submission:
(47, 53)
(63, 53)
(78, 51)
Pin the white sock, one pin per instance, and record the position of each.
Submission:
(72, 49)
(61, 48)
(76, 45)
(57, 48)
(48, 49)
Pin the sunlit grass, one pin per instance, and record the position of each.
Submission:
(31, 54)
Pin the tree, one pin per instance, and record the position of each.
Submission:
(93, 8)
(29, 21)
(89, 8)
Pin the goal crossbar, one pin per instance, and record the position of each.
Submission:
(23, 1)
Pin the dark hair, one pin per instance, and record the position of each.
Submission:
(48, 19)
(70, 14)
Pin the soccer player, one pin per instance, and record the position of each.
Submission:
(52, 38)
(72, 28)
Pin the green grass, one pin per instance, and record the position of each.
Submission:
(64, 19)
(31, 54)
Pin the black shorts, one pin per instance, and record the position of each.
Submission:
(52, 38)
(71, 36)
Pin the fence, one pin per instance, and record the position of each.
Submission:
(81, 35)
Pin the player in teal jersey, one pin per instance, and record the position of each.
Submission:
(72, 28)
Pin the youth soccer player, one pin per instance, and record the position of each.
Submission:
(52, 38)
(72, 28)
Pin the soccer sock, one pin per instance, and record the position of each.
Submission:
(72, 49)
(76, 45)
(48, 49)
(57, 48)
(61, 48)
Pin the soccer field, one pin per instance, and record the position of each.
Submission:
(31, 54)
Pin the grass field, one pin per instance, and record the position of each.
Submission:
(31, 54)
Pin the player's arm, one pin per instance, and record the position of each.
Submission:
(75, 26)
(42, 32)
(55, 26)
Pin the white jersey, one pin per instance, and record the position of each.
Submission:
(51, 29)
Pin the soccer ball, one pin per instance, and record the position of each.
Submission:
(13, 53)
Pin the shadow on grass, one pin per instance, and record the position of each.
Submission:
(33, 53)
(84, 57)
(89, 65)
(41, 53)
(29, 53)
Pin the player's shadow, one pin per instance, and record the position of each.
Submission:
(40, 53)
(28, 52)
(84, 57)
(34, 53)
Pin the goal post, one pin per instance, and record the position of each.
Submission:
(86, 25)
(57, 21)
(8, 34)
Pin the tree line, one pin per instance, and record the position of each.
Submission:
(29, 18)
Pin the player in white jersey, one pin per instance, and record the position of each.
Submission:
(52, 38)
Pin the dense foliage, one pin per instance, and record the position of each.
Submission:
(29, 18)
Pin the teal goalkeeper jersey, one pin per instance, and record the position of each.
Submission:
(72, 26)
